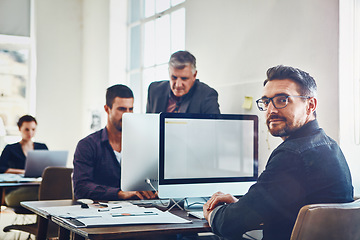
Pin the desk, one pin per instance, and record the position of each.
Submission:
(113, 232)
(5, 185)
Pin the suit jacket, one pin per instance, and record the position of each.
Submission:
(200, 99)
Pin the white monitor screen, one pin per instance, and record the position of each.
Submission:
(217, 148)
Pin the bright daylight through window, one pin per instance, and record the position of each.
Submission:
(14, 84)
(156, 30)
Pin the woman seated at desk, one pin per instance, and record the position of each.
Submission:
(13, 159)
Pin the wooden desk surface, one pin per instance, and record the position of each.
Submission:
(120, 232)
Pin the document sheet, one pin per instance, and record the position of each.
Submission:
(125, 213)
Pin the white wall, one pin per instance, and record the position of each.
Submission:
(73, 51)
(235, 42)
(95, 59)
(349, 92)
(59, 74)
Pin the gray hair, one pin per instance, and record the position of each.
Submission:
(181, 59)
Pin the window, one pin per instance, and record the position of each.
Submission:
(15, 84)
(156, 30)
(17, 81)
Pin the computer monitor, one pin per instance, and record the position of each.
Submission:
(140, 151)
(201, 154)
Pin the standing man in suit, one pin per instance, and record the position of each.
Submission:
(98, 156)
(183, 93)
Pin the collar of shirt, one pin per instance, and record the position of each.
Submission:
(104, 135)
(305, 130)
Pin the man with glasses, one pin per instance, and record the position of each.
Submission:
(307, 168)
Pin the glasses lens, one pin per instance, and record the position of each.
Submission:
(262, 104)
(280, 101)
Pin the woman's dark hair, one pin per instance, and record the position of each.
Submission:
(26, 118)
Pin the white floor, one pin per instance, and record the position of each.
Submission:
(8, 217)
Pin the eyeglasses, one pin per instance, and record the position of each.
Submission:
(279, 102)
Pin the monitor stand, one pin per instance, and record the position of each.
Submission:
(176, 202)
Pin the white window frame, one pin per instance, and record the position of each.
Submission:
(18, 43)
(140, 101)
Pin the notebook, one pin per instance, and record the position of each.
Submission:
(38, 160)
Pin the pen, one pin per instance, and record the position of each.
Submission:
(103, 210)
(107, 209)
(102, 204)
(77, 217)
(116, 207)
(133, 214)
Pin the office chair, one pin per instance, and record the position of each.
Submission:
(328, 221)
(56, 184)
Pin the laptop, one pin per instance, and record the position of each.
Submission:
(38, 160)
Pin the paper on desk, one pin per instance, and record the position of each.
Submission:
(75, 211)
(160, 218)
(92, 217)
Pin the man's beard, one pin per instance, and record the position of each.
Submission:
(282, 132)
(118, 125)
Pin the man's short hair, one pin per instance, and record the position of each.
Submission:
(26, 118)
(118, 90)
(181, 59)
(306, 83)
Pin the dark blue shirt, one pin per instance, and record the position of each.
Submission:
(13, 156)
(306, 168)
(96, 169)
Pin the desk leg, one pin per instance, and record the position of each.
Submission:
(42, 228)
(2, 197)
(64, 234)
(77, 237)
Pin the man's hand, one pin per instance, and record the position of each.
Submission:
(216, 200)
(136, 195)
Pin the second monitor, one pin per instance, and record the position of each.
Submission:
(202, 154)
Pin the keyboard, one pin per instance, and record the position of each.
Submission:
(197, 214)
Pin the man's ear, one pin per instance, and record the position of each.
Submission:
(312, 105)
(107, 108)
